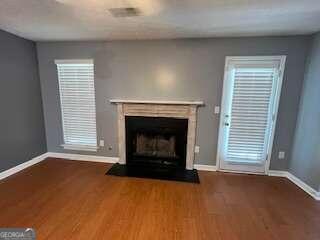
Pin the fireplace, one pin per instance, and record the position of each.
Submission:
(183, 110)
(159, 142)
(156, 139)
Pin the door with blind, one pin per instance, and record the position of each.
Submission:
(250, 99)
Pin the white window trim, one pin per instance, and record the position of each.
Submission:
(74, 147)
(79, 147)
(282, 61)
(73, 61)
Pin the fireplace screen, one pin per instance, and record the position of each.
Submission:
(156, 141)
(155, 145)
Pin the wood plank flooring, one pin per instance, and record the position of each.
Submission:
(64, 199)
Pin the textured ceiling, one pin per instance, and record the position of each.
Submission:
(46, 20)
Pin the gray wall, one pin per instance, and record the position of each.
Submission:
(305, 162)
(170, 70)
(22, 133)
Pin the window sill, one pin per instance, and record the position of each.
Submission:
(80, 147)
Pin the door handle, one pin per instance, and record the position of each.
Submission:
(226, 124)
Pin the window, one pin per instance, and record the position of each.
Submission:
(77, 98)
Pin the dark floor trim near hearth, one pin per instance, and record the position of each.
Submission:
(181, 175)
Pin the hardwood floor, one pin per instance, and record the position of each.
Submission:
(64, 199)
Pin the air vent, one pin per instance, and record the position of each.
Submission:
(124, 12)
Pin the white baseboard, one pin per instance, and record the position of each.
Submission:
(315, 194)
(305, 187)
(276, 173)
(76, 157)
(80, 157)
(22, 166)
(202, 167)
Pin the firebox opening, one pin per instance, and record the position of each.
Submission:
(155, 145)
(156, 141)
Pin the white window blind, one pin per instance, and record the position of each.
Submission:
(77, 97)
(250, 113)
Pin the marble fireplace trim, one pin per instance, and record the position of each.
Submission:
(175, 109)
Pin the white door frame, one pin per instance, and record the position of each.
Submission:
(282, 60)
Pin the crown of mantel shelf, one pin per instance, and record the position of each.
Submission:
(120, 101)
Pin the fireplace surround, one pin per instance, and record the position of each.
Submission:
(176, 110)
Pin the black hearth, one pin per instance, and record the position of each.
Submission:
(157, 142)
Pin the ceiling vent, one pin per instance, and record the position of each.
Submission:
(124, 12)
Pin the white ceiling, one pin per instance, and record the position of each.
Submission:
(45, 20)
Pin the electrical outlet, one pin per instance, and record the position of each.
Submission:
(101, 143)
(281, 155)
(197, 149)
(216, 109)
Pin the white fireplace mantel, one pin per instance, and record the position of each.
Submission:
(143, 108)
(158, 102)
